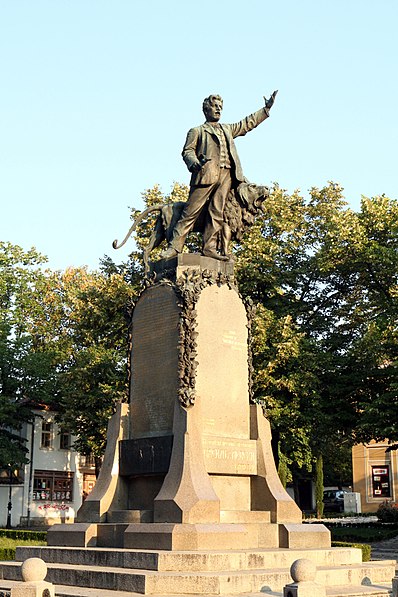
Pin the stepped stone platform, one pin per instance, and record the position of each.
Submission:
(64, 591)
(115, 572)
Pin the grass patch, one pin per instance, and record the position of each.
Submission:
(8, 546)
(8, 542)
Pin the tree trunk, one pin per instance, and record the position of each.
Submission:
(98, 464)
(319, 486)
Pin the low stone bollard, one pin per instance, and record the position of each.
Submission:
(303, 573)
(34, 571)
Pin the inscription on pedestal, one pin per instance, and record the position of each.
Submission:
(231, 339)
(230, 456)
(154, 379)
(145, 456)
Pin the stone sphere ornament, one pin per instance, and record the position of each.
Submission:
(34, 570)
(303, 570)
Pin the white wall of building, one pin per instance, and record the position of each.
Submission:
(52, 458)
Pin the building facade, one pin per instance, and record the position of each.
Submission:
(375, 474)
(51, 487)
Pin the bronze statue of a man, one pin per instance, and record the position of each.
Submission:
(210, 155)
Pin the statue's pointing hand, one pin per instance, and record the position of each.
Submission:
(270, 102)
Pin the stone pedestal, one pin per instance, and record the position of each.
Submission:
(33, 571)
(303, 572)
(189, 463)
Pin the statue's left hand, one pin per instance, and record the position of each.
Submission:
(270, 102)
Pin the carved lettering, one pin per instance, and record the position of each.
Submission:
(230, 456)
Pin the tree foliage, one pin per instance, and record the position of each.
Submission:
(63, 344)
(22, 374)
(324, 279)
(83, 330)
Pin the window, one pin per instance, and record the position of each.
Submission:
(381, 481)
(86, 461)
(64, 440)
(46, 434)
(53, 485)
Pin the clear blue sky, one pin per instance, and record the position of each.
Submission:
(97, 97)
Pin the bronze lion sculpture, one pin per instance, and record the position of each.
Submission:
(243, 205)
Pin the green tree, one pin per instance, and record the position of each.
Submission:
(22, 374)
(371, 364)
(324, 279)
(83, 327)
(278, 266)
(64, 343)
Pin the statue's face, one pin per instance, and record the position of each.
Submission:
(213, 111)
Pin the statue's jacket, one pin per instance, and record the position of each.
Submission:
(202, 143)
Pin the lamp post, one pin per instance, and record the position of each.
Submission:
(32, 444)
(9, 505)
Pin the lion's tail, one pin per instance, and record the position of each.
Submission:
(134, 225)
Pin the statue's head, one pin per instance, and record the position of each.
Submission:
(212, 107)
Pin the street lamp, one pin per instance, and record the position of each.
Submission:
(30, 484)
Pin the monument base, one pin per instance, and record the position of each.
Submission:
(249, 573)
(188, 463)
(102, 522)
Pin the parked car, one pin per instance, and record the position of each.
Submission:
(333, 500)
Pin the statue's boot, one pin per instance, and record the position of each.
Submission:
(169, 253)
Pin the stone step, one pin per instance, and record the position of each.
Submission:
(226, 516)
(253, 533)
(203, 583)
(359, 591)
(367, 573)
(189, 561)
(186, 537)
(338, 591)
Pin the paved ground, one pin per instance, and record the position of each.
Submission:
(385, 550)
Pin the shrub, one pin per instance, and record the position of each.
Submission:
(366, 549)
(26, 535)
(364, 533)
(388, 512)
